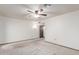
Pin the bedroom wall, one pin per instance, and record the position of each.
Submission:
(20, 30)
(63, 30)
(15, 30)
(2, 30)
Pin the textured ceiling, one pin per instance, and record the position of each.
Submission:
(18, 11)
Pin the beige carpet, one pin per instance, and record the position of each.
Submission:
(35, 47)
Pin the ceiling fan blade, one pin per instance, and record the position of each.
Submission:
(30, 11)
(43, 14)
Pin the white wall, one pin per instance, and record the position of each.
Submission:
(2, 30)
(14, 30)
(63, 30)
(20, 30)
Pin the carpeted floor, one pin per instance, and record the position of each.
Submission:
(35, 47)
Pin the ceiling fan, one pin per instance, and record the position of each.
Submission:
(37, 12)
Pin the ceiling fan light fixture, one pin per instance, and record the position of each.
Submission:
(36, 15)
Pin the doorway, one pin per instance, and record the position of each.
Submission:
(41, 31)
